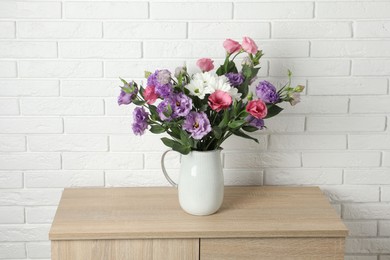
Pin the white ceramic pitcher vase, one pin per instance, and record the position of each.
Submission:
(201, 185)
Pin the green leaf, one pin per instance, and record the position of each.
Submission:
(249, 128)
(244, 135)
(139, 102)
(236, 124)
(124, 81)
(273, 110)
(217, 132)
(168, 142)
(181, 148)
(157, 129)
(225, 120)
(147, 74)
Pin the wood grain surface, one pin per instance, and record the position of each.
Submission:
(154, 212)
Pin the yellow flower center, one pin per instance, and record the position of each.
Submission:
(196, 125)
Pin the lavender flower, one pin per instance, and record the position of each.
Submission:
(140, 123)
(161, 80)
(235, 79)
(181, 105)
(256, 122)
(197, 124)
(128, 93)
(267, 92)
(164, 110)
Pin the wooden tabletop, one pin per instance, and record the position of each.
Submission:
(154, 212)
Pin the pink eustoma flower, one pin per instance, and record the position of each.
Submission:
(205, 64)
(257, 108)
(231, 46)
(249, 45)
(150, 94)
(219, 100)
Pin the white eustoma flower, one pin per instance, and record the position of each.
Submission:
(197, 88)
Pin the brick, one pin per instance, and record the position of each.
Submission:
(9, 107)
(223, 30)
(368, 142)
(60, 69)
(8, 69)
(341, 159)
(38, 161)
(9, 180)
(183, 49)
(318, 105)
(138, 178)
(40, 215)
(386, 159)
(31, 197)
(261, 160)
(347, 86)
(299, 30)
(305, 142)
(345, 123)
(360, 257)
(67, 143)
(23, 125)
(242, 177)
(371, 67)
(350, 49)
(367, 245)
(59, 30)
(61, 106)
(101, 125)
(11, 215)
(376, 104)
(346, 10)
(366, 176)
(361, 228)
(113, 109)
(385, 193)
(106, 10)
(291, 176)
(273, 10)
(18, 233)
(153, 160)
(130, 142)
(12, 250)
(28, 88)
(134, 69)
(289, 124)
(100, 160)
(312, 67)
(191, 10)
(7, 30)
(100, 50)
(31, 10)
(12, 143)
(239, 143)
(63, 179)
(82, 88)
(372, 29)
(367, 211)
(345, 193)
(23, 49)
(38, 249)
(275, 49)
(145, 30)
(384, 228)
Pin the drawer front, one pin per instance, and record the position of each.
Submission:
(146, 249)
(272, 248)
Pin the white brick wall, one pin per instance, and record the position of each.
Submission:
(60, 125)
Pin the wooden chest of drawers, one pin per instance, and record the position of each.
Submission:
(147, 223)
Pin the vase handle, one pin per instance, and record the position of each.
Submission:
(174, 184)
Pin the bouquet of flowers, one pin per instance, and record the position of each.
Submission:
(200, 111)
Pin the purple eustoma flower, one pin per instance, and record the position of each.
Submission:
(197, 124)
(267, 92)
(161, 80)
(181, 105)
(235, 79)
(128, 93)
(140, 124)
(164, 110)
(256, 122)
